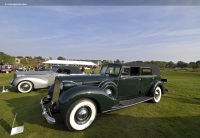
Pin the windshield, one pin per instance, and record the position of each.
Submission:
(54, 69)
(111, 70)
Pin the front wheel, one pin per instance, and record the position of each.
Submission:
(81, 115)
(24, 87)
(157, 95)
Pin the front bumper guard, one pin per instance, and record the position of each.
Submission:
(11, 83)
(47, 114)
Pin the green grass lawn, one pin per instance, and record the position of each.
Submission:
(177, 115)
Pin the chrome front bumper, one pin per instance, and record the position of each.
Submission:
(11, 83)
(47, 114)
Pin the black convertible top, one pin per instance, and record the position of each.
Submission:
(72, 69)
(155, 69)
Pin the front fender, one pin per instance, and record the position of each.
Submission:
(102, 100)
(38, 82)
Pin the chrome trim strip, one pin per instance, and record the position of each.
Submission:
(49, 119)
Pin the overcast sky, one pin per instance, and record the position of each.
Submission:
(129, 33)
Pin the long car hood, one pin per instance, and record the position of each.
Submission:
(93, 79)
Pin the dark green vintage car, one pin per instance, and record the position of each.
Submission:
(78, 99)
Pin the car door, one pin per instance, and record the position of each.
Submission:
(128, 84)
(146, 80)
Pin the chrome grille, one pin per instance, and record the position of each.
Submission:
(56, 91)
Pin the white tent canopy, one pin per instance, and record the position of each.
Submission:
(70, 62)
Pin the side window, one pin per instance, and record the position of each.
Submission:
(146, 71)
(135, 71)
(113, 70)
(126, 71)
(117, 70)
(110, 70)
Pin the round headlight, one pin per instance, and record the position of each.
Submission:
(61, 86)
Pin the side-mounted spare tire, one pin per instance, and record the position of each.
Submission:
(81, 114)
(110, 89)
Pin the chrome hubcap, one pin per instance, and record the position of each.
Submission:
(157, 94)
(82, 115)
(109, 92)
(25, 87)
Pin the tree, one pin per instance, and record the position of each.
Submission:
(105, 62)
(29, 57)
(181, 64)
(61, 58)
(39, 57)
(24, 61)
(170, 64)
(19, 57)
(4, 58)
(117, 61)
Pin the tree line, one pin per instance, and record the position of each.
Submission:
(161, 64)
(28, 60)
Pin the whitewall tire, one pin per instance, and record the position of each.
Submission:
(25, 87)
(81, 115)
(157, 95)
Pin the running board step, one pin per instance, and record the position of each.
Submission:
(126, 103)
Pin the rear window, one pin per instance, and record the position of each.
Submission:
(146, 71)
(126, 71)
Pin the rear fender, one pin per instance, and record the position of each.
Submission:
(158, 83)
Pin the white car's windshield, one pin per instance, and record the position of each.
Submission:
(54, 69)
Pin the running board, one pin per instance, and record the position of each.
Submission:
(127, 103)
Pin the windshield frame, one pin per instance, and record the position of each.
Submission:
(105, 69)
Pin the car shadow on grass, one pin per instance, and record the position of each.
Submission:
(28, 109)
(7, 127)
(115, 124)
(126, 126)
(8, 88)
(187, 100)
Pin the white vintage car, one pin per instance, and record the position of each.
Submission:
(26, 81)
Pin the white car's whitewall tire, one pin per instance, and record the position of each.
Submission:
(25, 87)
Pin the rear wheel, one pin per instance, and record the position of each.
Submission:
(25, 87)
(81, 115)
(157, 95)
